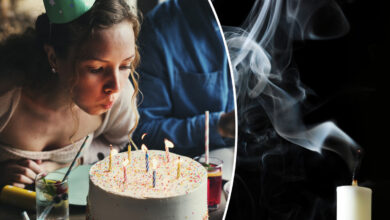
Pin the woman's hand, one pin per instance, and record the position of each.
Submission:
(227, 125)
(19, 173)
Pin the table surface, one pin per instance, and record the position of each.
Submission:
(8, 212)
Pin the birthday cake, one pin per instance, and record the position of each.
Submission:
(149, 187)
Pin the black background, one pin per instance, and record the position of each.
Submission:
(349, 76)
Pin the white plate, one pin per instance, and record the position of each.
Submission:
(78, 182)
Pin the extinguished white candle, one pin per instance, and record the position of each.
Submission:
(353, 203)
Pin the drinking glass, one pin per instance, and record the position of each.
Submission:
(214, 180)
(52, 196)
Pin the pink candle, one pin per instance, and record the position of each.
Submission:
(206, 138)
(124, 170)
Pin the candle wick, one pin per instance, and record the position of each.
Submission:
(354, 182)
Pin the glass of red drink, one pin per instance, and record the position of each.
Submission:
(214, 181)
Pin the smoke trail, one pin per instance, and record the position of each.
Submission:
(260, 53)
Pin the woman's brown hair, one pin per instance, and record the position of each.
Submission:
(24, 59)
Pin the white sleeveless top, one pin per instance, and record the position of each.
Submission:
(113, 130)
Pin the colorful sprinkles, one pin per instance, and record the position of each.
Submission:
(140, 183)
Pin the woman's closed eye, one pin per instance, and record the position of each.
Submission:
(95, 70)
(126, 67)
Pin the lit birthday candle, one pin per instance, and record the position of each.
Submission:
(124, 170)
(145, 149)
(110, 159)
(131, 142)
(112, 153)
(168, 144)
(178, 168)
(154, 167)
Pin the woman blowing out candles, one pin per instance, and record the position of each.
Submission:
(64, 80)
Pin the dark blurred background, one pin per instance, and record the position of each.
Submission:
(348, 76)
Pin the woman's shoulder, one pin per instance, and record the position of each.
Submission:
(9, 81)
(7, 97)
(8, 103)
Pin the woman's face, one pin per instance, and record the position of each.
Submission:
(103, 65)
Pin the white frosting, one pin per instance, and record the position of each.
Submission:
(110, 197)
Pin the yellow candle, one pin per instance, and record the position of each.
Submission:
(112, 153)
(110, 158)
(129, 152)
(178, 168)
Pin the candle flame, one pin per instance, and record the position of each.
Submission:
(143, 136)
(114, 151)
(144, 148)
(125, 162)
(168, 143)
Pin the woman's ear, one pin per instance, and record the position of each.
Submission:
(51, 55)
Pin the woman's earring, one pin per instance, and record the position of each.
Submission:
(53, 70)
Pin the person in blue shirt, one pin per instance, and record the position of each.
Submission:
(184, 72)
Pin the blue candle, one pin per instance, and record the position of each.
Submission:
(145, 149)
(147, 161)
(154, 178)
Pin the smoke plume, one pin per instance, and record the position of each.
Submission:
(260, 52)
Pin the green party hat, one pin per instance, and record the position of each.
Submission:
(63, 11)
